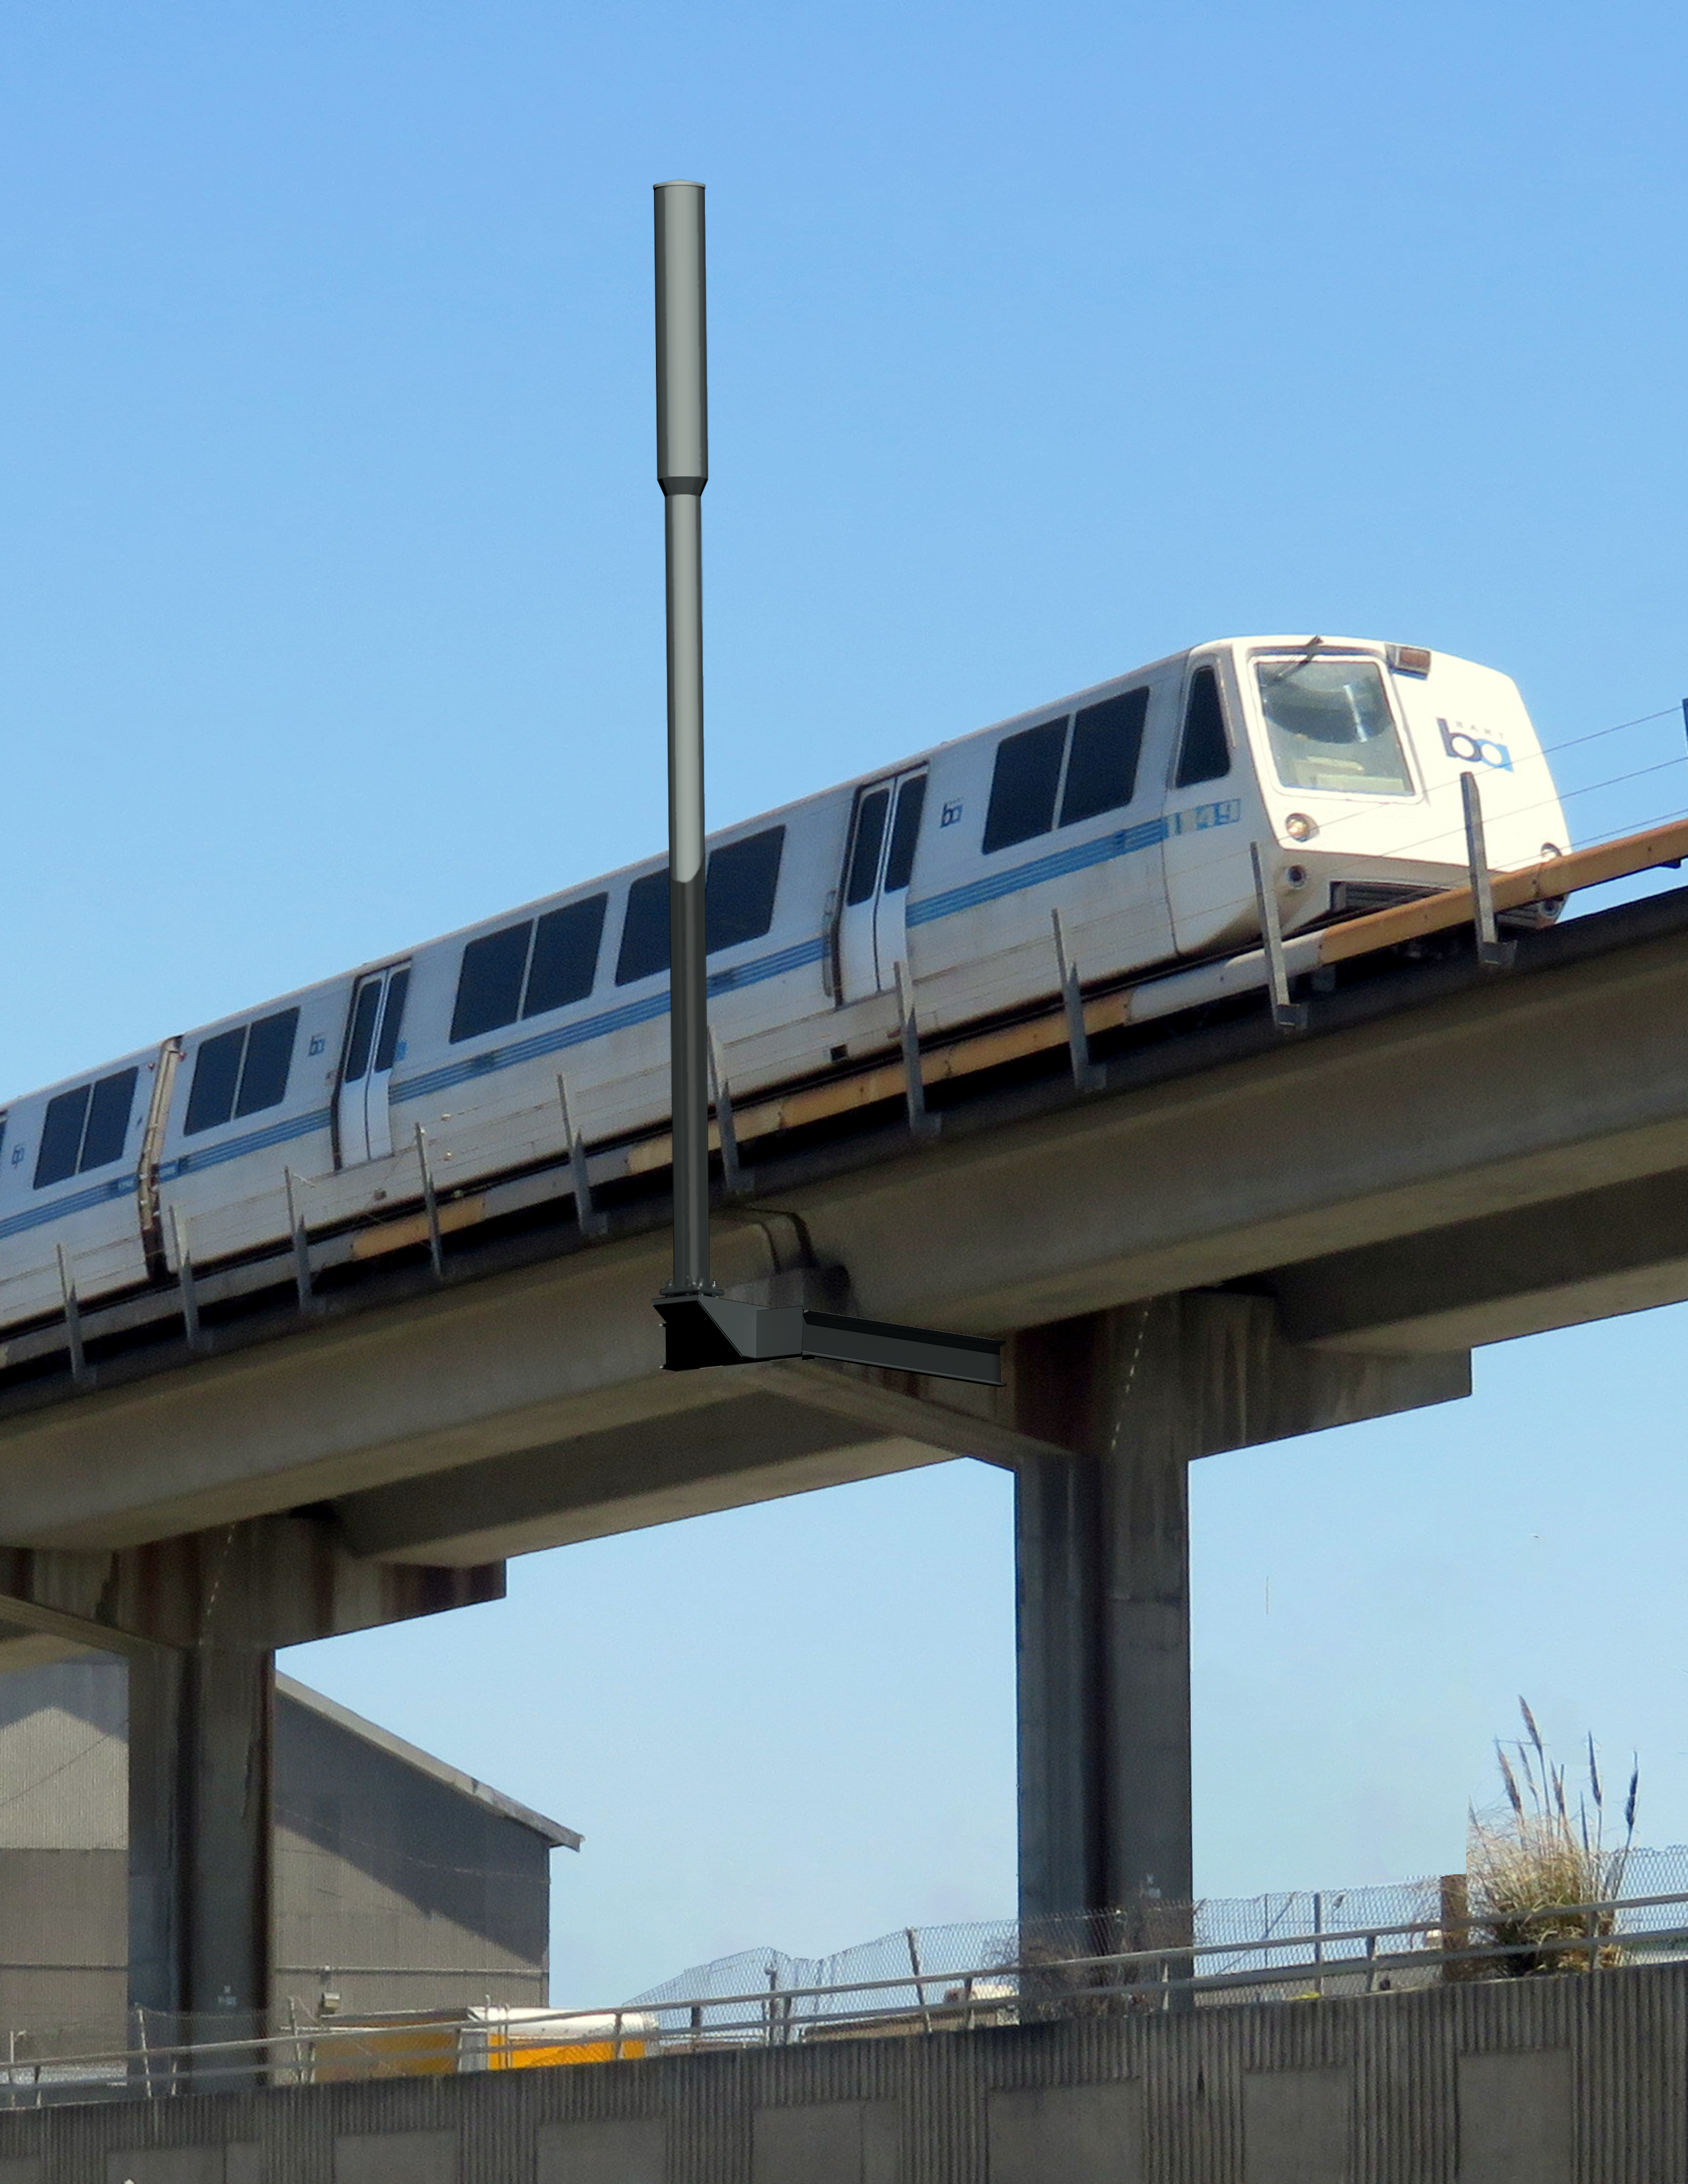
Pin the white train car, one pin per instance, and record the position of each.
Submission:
(1130, 808)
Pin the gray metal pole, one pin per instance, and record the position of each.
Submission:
(702, 1327)
(682, 472)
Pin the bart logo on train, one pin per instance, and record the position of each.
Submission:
(1458, 742)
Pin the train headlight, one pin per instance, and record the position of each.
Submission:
(1299, 827)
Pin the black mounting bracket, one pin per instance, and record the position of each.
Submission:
(706, 1329)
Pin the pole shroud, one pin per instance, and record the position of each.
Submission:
(682, 472)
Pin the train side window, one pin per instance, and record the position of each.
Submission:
(489, 985)
(86, 1129)
(269, 1058)
(564, 966)
(103, 1139)
(1204, 754)
(739, 889)
(61, 1136)
(1101, 767)
(864, 856)
(904, 833)
(241, 1070)
(1022, 786)
(644, 929)
(739, 886)
(216, 1074)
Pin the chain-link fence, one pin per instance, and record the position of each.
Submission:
(1343, 1940)
(1152, 1955)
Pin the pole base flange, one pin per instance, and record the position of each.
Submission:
(705, 1329)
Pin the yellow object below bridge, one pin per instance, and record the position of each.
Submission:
(443, 2044)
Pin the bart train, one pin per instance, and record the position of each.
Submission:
(1129, 807)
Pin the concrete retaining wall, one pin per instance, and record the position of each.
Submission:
(1573, 2080)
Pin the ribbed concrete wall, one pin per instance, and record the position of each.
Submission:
(1573, 2081)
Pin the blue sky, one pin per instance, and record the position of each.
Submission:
(1043, 341)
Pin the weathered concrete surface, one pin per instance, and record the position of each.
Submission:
(198, 1619)
(201, 1830)
(1102, 1552)
(1571, 2081)
(270, 1582)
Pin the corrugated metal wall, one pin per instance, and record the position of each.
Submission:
(1569, 2080)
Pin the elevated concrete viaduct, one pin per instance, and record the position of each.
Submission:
(1239, 1237)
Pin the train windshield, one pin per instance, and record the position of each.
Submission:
(1331, 725)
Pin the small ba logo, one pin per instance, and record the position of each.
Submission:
(1459, 742)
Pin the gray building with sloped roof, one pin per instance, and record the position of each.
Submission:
(400, 1882)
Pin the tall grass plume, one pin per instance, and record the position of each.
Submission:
(1539, 1852)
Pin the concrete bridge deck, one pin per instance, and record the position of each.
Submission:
(1446, 1158)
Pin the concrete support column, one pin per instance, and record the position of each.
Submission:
(198, 1618)
(1103, 1563)
(200, 1831)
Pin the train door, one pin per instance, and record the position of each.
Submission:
(363, 1125)
(1210, 797)
(873, 936)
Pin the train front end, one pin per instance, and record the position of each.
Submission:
(1359, 748)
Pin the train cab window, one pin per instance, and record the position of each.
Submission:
(1101, 766)
(739, 887)
(904, 833)
(1330, 726)
(1205, 752)
(85, 1128)
(1023, 785)
(527, 969)
(241, 1072)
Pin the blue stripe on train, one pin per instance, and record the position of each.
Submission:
(1148, 834)
(994, 885)
(992, 888)
(61, 1209)
(255, 1141)
(793, 958)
